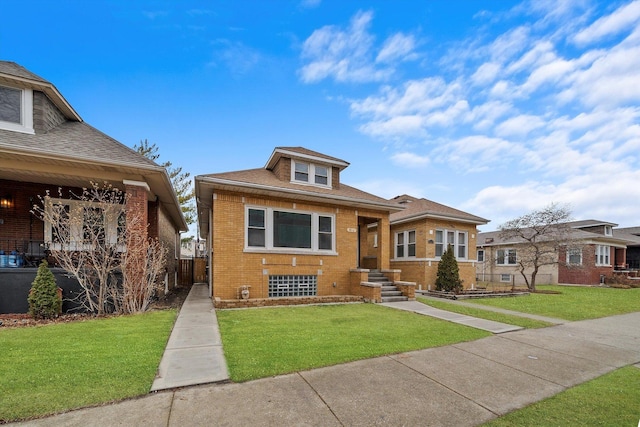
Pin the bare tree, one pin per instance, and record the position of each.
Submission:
(93, 237)
(539, 235)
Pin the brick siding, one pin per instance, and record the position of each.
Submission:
(233, 267)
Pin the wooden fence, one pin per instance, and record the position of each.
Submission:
(193, 270)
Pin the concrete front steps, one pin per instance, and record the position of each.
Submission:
(389, 292)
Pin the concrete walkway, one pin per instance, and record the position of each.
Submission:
(469, 303)
(194, 352)
(463, 384)
(474, 322)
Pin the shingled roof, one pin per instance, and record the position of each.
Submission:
(416, 208)
(16, 70)
(57, 155)
(265, 180)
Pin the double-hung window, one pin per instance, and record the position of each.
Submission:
(574, 256)
(83, 226)
(16, 109)
(603, 254)
(281, 230)
(456, 239)
(506, 257)
(406, 244)
(310, 173)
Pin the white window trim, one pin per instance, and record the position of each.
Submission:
(601, 248)
(75, 206)
(405, 244)
(478, 252)
(26, 126)
(568, 253)
(268, 227)
(456, 243)
(311, 174)
(608, 230)
(506, 256)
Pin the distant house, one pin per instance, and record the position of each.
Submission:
(46, 146)
(420, 235)
(291, 231)
(193, 248)
(598, 253)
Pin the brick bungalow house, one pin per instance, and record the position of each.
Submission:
(46, 146)
(421, 233)
(291, 232)
(598, 254)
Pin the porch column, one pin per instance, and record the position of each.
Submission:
(384, 242)
(137, 207)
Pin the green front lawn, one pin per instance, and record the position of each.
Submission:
(573, 302)
(484, 314)
(47, 369)
(270, 341)
(611, 400)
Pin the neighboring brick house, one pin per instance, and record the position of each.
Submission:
(596, 255)
(46, 146)
(291, 230)
(422, 232)
(632, 236)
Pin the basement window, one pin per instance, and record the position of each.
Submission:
(292, 286)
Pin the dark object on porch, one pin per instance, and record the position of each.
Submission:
(15, 284)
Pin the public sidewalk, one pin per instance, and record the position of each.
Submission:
(194, 353)
(464, 384)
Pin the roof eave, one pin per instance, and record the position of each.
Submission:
(279, 152)
(51, 91)
(425, 215)
(307, 195)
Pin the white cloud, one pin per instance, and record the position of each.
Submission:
(236, 56)
(519, 125)
(486, 73)
(393, 127)
(398, 46)
(410, 160)
(348, 55)
(620, 20)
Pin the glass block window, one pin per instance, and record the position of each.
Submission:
(292, 286)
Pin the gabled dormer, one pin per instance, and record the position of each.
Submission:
(595, 226)
(30, 104)
(299, 165)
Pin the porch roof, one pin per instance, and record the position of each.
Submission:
(423, 208)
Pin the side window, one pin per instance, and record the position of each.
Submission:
(256, 228)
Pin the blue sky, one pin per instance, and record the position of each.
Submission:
(492, 107)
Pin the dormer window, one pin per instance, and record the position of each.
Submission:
(16, 109)
(321, 175)
(310, 173)
(608, 231)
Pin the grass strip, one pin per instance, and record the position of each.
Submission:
(484, 314)
(271, 341)
(572, 303)
(611, 400)
(54, 368)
